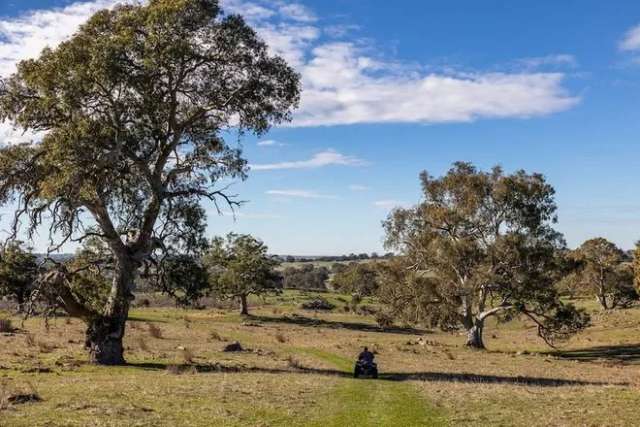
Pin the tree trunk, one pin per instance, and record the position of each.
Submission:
(106, 331)
(20, 302)
(104, 340)
(602, 299)
(474, 335)
(244, 305)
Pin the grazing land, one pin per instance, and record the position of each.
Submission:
(295, 369)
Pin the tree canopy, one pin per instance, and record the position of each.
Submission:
(132, 111)
(480, 244)
(356, 278)
(239, 266)
(18, 272)
(602, 270)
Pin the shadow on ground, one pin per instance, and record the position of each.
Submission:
(354, 326)
(612, 353)
(390, 376)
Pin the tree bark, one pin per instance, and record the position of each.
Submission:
(104, 340)
(245, 307)
(106, 331)
(602, 299)
(474, 335)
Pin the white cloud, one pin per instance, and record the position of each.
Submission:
(631, 40)
(304, 194)
(557, 60)
(26, 35)
(245, 215)
(269, 143)
(340, 30)
(356, 187)
(297, 12)
(249, 10)
(324, 158)
(343, 83)
(388, 204)
(345, 87)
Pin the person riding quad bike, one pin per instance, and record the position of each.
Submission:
(365, 365)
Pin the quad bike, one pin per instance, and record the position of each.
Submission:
(364, 368)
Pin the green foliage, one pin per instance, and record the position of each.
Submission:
(600, 269)
(306, 276)
(133, 109)
(90, 272)
(18, 272)
(356, 278)
(185, 279)
(480, 244)
(239, 266)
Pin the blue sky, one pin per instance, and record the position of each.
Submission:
(392, 88)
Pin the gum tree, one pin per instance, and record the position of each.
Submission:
(18, 273)
(601, 269)
(239, 266)
(479, 245)
(133, 109)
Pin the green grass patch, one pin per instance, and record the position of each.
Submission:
(367, 402)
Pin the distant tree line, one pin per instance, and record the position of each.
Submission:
(336, 258)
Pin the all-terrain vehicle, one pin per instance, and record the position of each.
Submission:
(366, 369)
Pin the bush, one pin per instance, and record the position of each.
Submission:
(318, 304)
(6, 325)
(306, 277)
(384, 320)
(357, 278)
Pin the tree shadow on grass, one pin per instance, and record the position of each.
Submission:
(451, 377)
(612, 353)
(322, 323)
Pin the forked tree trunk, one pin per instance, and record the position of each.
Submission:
(106, 332)
(474, 335)
(245, 307)
(602, 299)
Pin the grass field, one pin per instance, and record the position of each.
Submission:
(296, 368)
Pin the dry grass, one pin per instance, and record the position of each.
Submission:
(186, 356)
(295, 380)
(154, 331)
(215, 336)
(281, 338)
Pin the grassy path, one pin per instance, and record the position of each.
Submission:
(369, 402)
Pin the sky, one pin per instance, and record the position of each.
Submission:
(394, 88)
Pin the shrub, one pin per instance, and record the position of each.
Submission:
(187, 356)
(384, 320)
(154, 331)
(6, 325)
(214, 335)
(318, 304)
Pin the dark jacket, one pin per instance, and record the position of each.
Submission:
(366, 356)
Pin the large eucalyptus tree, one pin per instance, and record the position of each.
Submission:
(478, 245)
(133, 109)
